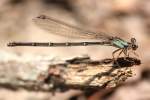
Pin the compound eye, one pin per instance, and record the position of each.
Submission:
(133, 40)
(134, 47)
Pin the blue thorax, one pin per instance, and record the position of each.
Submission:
(120, 43)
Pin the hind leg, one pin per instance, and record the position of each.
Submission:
(113, 54)
(120, 53)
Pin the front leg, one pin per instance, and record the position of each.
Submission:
(126, 53)
(135, 54)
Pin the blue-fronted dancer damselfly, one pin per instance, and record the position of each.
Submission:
(63, 29)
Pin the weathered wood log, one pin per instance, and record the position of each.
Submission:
(18, 71)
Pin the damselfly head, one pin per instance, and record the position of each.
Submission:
(134, 46)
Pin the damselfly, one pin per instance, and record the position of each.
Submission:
(63, 29)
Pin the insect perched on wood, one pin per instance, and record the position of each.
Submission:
(60, 28)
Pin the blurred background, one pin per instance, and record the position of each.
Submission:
(124, 18)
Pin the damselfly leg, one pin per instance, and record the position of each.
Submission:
(120, 50)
